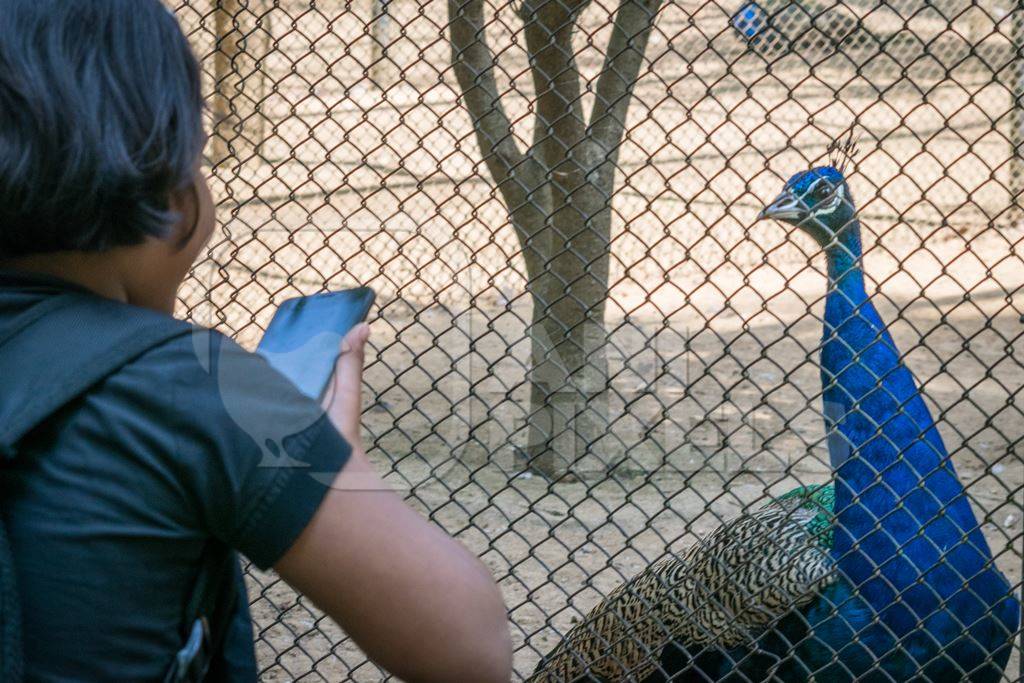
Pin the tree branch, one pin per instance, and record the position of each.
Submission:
(517, 177)
(474, 63)
(624, 57)
(560, 127)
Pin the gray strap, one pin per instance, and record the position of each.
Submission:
(76, 341)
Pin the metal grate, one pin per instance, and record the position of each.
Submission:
(571, 208)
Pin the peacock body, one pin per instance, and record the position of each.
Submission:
(883, 576)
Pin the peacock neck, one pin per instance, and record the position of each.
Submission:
(898, 500)
(864, 378)
(852, 327)
(844, 259)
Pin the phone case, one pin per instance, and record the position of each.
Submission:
(303, 340)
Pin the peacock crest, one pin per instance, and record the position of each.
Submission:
(842, 153)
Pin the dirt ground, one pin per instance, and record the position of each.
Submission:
(713, 319)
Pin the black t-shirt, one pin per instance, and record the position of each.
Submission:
(112, 501)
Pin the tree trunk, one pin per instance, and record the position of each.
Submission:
(569, 387)
(568, 377)
(559, 199)
(582, 163)
(568, 390)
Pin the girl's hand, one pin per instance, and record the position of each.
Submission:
(343, 399)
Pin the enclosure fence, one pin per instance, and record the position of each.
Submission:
(587, 352)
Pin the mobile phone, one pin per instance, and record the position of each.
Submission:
(303, 340)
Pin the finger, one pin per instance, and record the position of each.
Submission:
(346, 402)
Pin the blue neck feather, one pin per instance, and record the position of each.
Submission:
(905, 532)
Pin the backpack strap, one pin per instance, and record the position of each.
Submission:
(75, 341)
(66, 346)
(210, 610)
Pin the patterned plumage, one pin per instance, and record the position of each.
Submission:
(897, 584)
(742, 576)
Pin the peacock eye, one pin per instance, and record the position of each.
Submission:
(822, 190)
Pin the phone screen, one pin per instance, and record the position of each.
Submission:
(303, 340)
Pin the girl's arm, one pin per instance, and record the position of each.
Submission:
(416, 601)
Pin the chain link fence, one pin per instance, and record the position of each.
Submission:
(587, 352)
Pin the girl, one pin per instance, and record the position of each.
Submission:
(115, 499)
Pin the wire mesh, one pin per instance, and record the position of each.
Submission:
(587, 353)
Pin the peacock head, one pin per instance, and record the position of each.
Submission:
(818, 202)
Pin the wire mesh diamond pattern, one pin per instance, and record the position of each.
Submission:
(588, 354)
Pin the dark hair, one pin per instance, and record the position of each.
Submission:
(100, 121)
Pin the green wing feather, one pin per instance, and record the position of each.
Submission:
(821, 498)
(729, 585)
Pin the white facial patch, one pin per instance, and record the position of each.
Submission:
(832, 204)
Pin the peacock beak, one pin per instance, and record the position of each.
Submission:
(786, 207)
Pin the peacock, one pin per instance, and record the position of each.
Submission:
(884, 575)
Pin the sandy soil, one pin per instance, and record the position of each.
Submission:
(713, 319)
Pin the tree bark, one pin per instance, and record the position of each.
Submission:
(558, 194)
